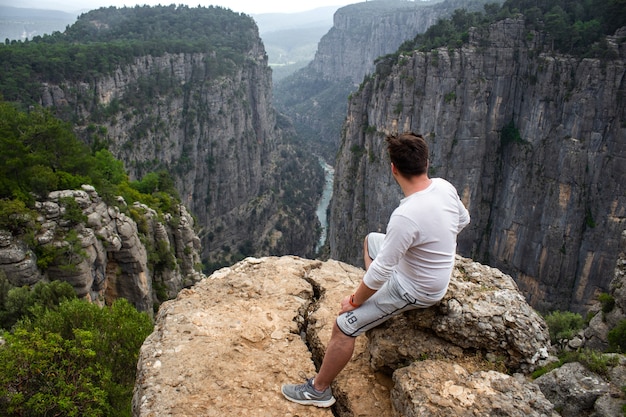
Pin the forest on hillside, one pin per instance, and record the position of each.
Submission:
(102, 40)
(576, 27)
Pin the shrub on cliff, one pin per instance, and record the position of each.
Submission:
(574, 27)
(17, 303)
(617, 337)
(77, 360)
(563, 325)
(40, 153)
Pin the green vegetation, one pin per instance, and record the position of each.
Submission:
(563, 325)
(103, 39)
(510, 134)
(65, 257)
(15, 217)
(617, 337)
(72, 359)
(607, 301)
(39, 154)
(574, 27)
(594, 361)
(17, 303)
(64, 356)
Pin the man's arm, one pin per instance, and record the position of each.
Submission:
(464, 216)
(362, 293)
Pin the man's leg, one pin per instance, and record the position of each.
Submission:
(367, 259)
(371, 246)
(338, 354)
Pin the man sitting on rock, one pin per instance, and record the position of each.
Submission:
(409, 267)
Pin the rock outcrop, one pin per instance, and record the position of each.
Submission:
(225, 346)
(608, 316)
(103, 253)
(545, 194)
(576, 391)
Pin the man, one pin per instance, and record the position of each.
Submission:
(409, 267)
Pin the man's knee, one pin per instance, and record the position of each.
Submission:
(341, 337)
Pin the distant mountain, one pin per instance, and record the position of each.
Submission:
(291, 39)
(274, 22)
(21, 24)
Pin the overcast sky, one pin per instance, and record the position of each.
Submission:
(245, 6)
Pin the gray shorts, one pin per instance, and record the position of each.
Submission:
(390, 300)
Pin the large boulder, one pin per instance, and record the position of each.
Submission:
(437, 388)
(225, 346)
(482, 311)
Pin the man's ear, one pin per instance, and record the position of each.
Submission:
(394, 170)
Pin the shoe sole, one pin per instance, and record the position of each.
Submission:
(317, 403)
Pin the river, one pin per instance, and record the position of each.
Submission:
(322, 206)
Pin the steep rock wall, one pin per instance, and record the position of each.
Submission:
(547, 207)
(316, 97)
(363, 32)
(211, 124)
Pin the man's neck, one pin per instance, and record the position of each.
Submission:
(414, 184)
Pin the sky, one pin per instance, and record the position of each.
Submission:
(245, 6)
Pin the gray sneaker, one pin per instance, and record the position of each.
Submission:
(305, 394)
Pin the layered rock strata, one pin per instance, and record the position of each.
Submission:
(315, 97)
(216, 133)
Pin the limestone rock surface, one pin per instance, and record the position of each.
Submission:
(532, 197)
(105, 252)
(483, 310)
(596, 334)
(573, 388)
(226, 345)
(435, 388)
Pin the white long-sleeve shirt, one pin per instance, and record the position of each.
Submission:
(420, 243)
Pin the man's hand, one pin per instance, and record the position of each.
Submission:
(362, 293)
(345, 305)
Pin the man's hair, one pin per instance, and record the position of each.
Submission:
(408, 152)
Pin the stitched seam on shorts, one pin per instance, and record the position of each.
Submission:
(380, 320)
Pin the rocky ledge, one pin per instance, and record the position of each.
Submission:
(225, 346)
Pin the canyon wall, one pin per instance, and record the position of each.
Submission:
(534, 142)
(315, 97)
(211, 124)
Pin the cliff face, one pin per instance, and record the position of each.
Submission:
(106, 252)
(547, 206)
(316, 96)
(210, 123)
(363, 32)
